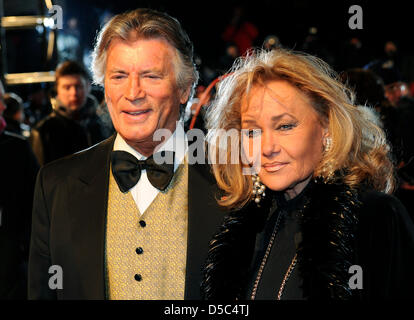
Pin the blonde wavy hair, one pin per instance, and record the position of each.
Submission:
(359, 147)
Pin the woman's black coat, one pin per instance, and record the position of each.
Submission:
(340, 227)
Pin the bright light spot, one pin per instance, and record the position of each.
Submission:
(49, 22)
(313, 30)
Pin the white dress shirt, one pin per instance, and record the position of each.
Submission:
(144, 192)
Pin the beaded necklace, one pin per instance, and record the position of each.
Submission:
(264, 260)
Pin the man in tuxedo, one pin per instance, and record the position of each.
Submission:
(111, 222)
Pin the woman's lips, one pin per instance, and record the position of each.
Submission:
(274, 166)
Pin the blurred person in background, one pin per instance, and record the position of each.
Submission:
(271, 42)
(68, 42)
(14, 115)
(37, 106)
(369, 90)
(318, 46)
(399, 95)
(352, 54)
(388, 65)
(227, 59)
(241, 31)
(73, 124)
(396, 110)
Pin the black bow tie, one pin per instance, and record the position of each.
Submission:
(127, 170)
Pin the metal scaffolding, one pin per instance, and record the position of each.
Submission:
(49, 33)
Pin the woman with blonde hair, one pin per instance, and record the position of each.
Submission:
(318, 220)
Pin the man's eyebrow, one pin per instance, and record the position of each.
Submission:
(146, 71)
(116, 70)
(152, 70)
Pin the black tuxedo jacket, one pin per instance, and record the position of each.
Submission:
(69, 223)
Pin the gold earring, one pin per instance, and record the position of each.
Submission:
(328, 144)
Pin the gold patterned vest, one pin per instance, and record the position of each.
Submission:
(146, 255)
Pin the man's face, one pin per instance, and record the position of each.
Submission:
(72, 91)
(395, 91)
(141, 90)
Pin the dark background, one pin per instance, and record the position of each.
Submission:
(289, 19)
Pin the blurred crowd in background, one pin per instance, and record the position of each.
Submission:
(46, 121)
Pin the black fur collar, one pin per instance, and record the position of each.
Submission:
(328, 224)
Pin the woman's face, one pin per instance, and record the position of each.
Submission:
(291, 135)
